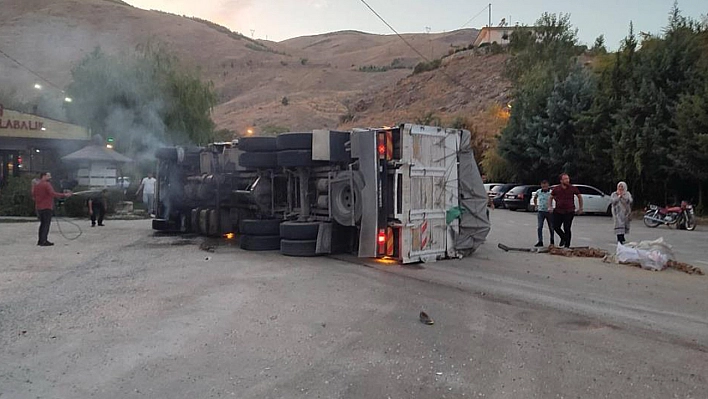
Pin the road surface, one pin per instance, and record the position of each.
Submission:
(120, 312)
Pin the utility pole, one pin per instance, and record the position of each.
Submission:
(427, 31)
(489, 25)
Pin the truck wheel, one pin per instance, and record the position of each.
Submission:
(294, 141)
(346, 198)
(257, 144)
(299, 231)
(166, 154)
(258, 160)
(260, 227)
(295, 158)
(160, 225)
(195, 220)
(304, 248)
(259, 243)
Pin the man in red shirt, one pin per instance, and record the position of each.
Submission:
(564, 211)
(44, 194)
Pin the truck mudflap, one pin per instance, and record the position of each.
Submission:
(426, 188)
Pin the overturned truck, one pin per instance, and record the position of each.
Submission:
(410, 193)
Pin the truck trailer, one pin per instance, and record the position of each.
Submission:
(409, 193)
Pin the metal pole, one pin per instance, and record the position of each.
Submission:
(489, 25)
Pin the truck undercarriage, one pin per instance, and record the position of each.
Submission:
(410, 193)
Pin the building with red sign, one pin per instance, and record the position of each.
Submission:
(31, 144)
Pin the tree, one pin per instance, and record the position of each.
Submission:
(546, 143)
(551, 42)
(599, 47)
(144, 99)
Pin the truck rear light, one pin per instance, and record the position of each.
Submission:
(382, 149)
(381, 241)
(382, 236)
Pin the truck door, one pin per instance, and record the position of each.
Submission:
(427, 186)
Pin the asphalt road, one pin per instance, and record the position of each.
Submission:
(120, 312)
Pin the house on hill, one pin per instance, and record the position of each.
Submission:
(499, 34)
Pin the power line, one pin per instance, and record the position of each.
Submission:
(28, 69)
(394, 30)
(475, 17)
(415, 49)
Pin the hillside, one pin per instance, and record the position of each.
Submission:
(320, 75)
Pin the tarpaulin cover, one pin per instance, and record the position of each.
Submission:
(474, 218)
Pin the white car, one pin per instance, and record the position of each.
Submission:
(594, 200)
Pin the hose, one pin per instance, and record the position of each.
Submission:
(62, 219)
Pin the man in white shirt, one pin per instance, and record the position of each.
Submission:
(147, 185)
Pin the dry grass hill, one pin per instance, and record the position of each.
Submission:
(320, 75)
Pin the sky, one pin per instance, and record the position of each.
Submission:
(283, 19)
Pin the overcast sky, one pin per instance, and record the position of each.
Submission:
(282, 19)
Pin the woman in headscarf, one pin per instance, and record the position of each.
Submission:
(621, 210)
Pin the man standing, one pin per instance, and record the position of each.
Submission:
(44, 194)
(148, 187)
(544, 216)
(97, 205)
(564, 212)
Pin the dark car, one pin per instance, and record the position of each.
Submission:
(497, 193)
(519, 197)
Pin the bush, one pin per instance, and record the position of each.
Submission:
(16, 197)
(427, 66)
(285, 101)
(428, 119)
(346, 118)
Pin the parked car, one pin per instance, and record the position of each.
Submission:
(497, 193)
(489, 186)
(594, 200)
(519, 197)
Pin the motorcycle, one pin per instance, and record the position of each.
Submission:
(682, 217)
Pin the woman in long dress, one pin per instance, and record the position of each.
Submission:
(621, 210)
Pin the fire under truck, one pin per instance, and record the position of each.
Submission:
(410, 193)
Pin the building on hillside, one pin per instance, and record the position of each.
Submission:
(31, 144)
(95, 165)
(496, 34)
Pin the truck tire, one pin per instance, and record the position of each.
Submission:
(258, 160)
(299, 230)
(257, 144)
(166, 154)
(259, 243)
(294, 141)
(195, 220)
(305, 248)
(295, 158)
(260, 227)
(345, 198)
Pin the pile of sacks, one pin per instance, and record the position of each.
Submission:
(650, 255)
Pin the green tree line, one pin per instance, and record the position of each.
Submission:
(639, 114)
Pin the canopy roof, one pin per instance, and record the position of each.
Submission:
(97, 153)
